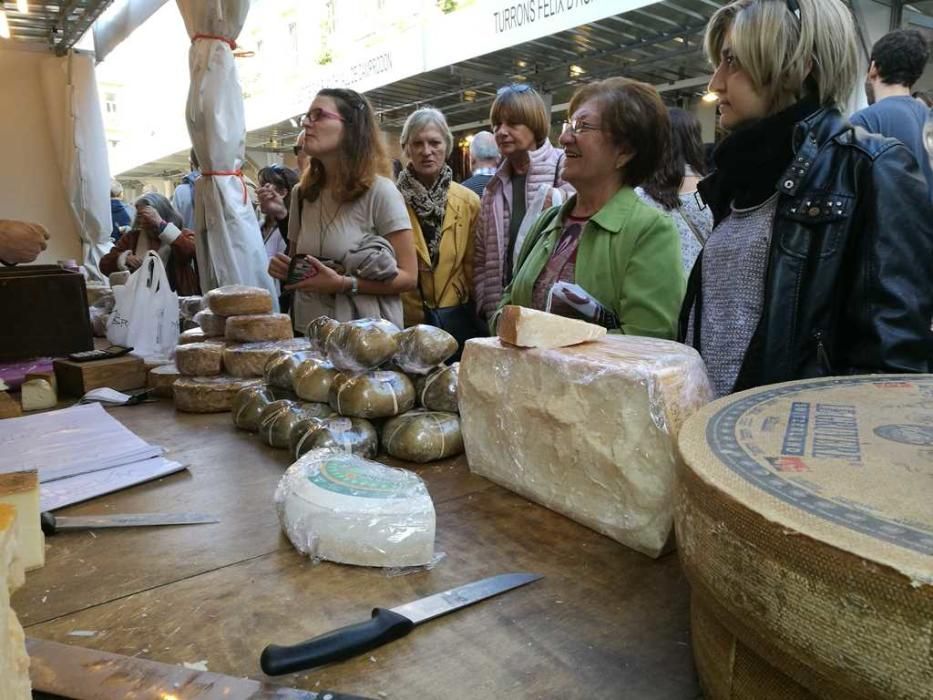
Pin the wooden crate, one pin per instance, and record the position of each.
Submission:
(120, 373)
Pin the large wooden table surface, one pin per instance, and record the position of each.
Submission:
(605, 622)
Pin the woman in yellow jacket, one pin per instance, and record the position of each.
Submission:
(443, 214)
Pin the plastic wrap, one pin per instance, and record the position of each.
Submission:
(438, 390)
(365, 344)
(279, 418)
(342, 508)
(423, 436)
(208, 394)
(280, 369)
(188, 307)
(249, 403)
(318, 331)
(249, 359)
(199, 359)
(213, 325)
(372, 395)
(421, 348)
(255, 328)
(237, 300)
(356, 435)
(586, 430)
(313, 378)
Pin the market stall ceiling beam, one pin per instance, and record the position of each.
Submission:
(57, 25)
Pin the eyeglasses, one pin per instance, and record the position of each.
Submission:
(578, 126)
(514, 87)
(317, 114)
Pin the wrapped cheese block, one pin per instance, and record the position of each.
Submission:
(280, 369)
(313, 379)
(438, 390)
(343, 508)
(423, 436)
(318, 331)
(199, 359)
(14, 661)
(355, 435)
(160, 380)
(362, 345)
(371, 395)
(804, 516)
(258, 327)
(536, 329)
(249, 359)
(421, 348)
(279, 418)
(208, 394)
(238, 300)
(212, 324)
(586, 430)
(249, 403)
(38, 394)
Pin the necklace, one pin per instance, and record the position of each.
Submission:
(325, 229)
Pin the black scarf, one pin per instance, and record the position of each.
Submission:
(750, 161)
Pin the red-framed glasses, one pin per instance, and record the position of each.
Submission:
(317, 114)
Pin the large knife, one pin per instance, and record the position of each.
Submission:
(67, 671)
(386, 625)
(52, 524)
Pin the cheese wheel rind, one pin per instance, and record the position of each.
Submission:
(199, 359)
(212, 324)
(161, 379)
(238, 300)
(249, 359)
(208, 394)
(258, 328)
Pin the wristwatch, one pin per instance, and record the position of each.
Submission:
(354, 286)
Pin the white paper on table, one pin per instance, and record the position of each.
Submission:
(83, 487)
(69, 441)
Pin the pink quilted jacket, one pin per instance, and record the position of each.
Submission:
(492, 225)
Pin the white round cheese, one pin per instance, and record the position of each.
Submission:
(347, 509)
(258, 327)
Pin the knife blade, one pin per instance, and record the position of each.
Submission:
(385, 625)
(75, 672)
(51, 524)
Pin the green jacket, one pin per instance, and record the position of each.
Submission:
(628, 260)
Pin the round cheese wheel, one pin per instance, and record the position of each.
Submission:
(160, 380)
(356, 435)
(279, 418)
(423, 436)
(438, 390)
(192, 335)
(371, 395)
(280, 369)
(313, 378)
(249, 359)
(212, 324)
(318, 331)
(258, 327)
(362, 345)
(421, 348)
(199, 359)
(343, 508)
(208, 394)
(804, 522)
(249, 402)
(237, 300)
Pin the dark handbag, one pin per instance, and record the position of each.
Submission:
(460, 321)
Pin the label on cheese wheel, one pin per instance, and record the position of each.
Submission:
(340, 425)
(354, 477)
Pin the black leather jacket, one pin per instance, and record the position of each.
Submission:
(849, 286)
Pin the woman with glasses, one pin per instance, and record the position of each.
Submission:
(443, 215)
(819, 263)
(522, 187)
(347, 220)
(606, 256)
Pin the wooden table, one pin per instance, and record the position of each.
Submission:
(605, 622)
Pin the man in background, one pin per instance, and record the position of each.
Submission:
(121, 213)
(183, 199)
(484, 157)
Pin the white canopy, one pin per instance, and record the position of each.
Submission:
(229, 243)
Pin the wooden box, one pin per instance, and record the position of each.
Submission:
(120, 373)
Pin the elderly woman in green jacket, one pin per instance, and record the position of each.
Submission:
(605, 256)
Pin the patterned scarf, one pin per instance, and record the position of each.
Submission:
(429, 204)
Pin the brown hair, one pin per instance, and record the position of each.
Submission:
(636, 119)
(686, 149)
(521, 104)
(362, 151)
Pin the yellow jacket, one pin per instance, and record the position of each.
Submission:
(451, 282)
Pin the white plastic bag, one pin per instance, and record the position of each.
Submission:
(533, 210)
(145, 313)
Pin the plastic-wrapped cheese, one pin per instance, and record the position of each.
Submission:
(356, 435)
(258, 327)
(238, 300)
(804, 515)
(371, 395)
(280, 369)
(586, 430)
(199, 359)
(208, 394)
(188, 307)
(249, 359)
(362, 345)
(423, 436)
(161, 379)
(279, 418)
(438, 390)
(212, 324)
(249, 403)
(313, 378)
(318, 331)
(193, 335)
(346, 509)
(421, 348)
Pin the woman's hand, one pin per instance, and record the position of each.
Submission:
(278, 266)
(272, 202)
(149, 219)
(132, 262)
(321, 280)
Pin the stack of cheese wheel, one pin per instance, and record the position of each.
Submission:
(804, 516)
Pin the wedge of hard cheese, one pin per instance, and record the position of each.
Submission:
(587, 430)
(14, 662)
(21, 489)
(529, 328)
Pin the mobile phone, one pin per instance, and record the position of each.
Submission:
(90, 355)
(300, 268)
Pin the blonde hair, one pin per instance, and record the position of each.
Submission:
(786, 58)
(421, 119)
